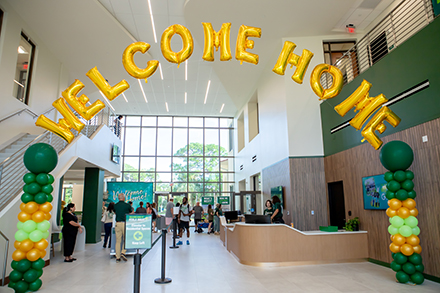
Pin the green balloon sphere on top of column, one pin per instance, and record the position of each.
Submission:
(396, 155)
(40, 158)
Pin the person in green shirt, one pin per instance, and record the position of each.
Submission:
(269, 208)
(277, 216)
(121, 209)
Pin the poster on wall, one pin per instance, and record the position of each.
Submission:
(134, 191)
(374, 188)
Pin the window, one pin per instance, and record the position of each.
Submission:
(335, 54)
(23, 72)
(378, 48)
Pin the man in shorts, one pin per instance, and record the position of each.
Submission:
(184, 216)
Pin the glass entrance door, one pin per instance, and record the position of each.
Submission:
(161, 200)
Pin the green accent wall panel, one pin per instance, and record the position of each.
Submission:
(92, 203)
(411, 63)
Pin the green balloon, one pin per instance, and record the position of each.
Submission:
(390, 195)
(417, 278)
(29, 178)
(40, 158)
(21, 287)
(20, 235)
(412, 222)
(47, 188)
(402, 277)
(392, 254)
(420, 268)
(29, 226)
(43, 226)
(38, 264)
(388, 176)
(396, 155)
(23, 265)
(397, 221)
(412, 194)
(25, 188)
(409, 175)
(42, 179)
(14, 264)
(415, 258)
(34, 286)
(40, 197)
(405, 231)
(33, 188)
(20, 225)
(11, 285)
(399, 176)
(26, 197)
(401, 194)
(51, 179)
(393, 230)
(415, 231)
(49, 198)
(36, 236)
(393, 186)
(408, 268)
(45, 234)
(400, 259)
(395, 266)
(15, 276)
(40, 273)
(32, 275)
(408, 185)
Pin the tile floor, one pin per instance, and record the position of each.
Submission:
(205, 266)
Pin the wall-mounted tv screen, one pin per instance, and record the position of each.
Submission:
(116, 154)
(374, 189)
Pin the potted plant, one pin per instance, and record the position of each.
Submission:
(352, 225)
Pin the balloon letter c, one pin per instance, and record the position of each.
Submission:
(130, 66)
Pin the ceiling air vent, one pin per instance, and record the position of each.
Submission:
(241, 167)
(254, 158)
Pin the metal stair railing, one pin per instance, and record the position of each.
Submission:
(5, 261)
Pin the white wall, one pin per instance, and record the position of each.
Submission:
(77, 196)
(49, 77)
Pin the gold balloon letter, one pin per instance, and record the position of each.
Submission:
(187, 40)
(315, 81)
(288, 57)
(130, 66)
(79, 103)
(376, 123)
(217, 39)
(110, 92)
(364, 104)
(58, 129)
(243, 43)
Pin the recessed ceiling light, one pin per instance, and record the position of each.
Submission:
(207, 91)
(125, 98)
(152, 21)
(142, 89)
(160, 70)
(186, 98)
(221, 110)
(22, 50)
(186, 70)
(166, 105)
(108, 102)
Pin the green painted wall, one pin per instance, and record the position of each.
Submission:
(92, 203)
(414, 61)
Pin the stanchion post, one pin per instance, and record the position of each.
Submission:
(137, 272)
(162, 279)
(174, 233)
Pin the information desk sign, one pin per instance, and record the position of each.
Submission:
(207, 200)
(223, 200)
(138, 231)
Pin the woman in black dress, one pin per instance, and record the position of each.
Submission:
(70, 229)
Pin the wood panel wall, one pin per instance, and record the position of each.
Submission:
(353, 164)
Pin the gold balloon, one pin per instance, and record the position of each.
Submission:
(315, 81)
(33, 254)
(22, 205)
(399, 239)
(403, 213)
(413, 240)
(17, 244)
(23, 216)
(394, 203)
(288, 57)
(58, 129)
(18, 255)
(392, 238)
(243, 43)
(130, 66)
(42, 244)
(417, 249)
(79, 103)
(42, 253)
(406, 249)
(47, 216)
(394, 248)
(391, 213)
(187, 44)
(409, 203)
(31, 207)
(215, 39)
(69, 120)
(376, 123)
(111, 92)
(38, 216)
(26, 245)
(414, 212)
(46, 207)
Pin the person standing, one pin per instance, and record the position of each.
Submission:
(118, 126)
(217, 214)
(121, 209)
(141, 209)
(109, 213)
(277, 216)
(198, 213)
(184, 214)
(154, 216)
(169, 213)
(70, 230)
(269, 208)
(210, 219)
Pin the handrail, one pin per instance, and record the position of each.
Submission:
(37, 138)
(32, 113)
(5, 262)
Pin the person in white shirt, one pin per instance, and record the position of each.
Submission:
(184, 215)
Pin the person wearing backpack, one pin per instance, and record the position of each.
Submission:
(184, 217)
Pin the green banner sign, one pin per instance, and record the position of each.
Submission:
(138, 231)
(223, 200)
(207, 200)
(133, 191)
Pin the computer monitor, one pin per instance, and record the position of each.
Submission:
(231, 216)
(257, 219)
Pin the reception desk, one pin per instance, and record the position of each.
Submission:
(281, 245)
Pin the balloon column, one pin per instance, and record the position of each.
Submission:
(33, 226)
(397, 156)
